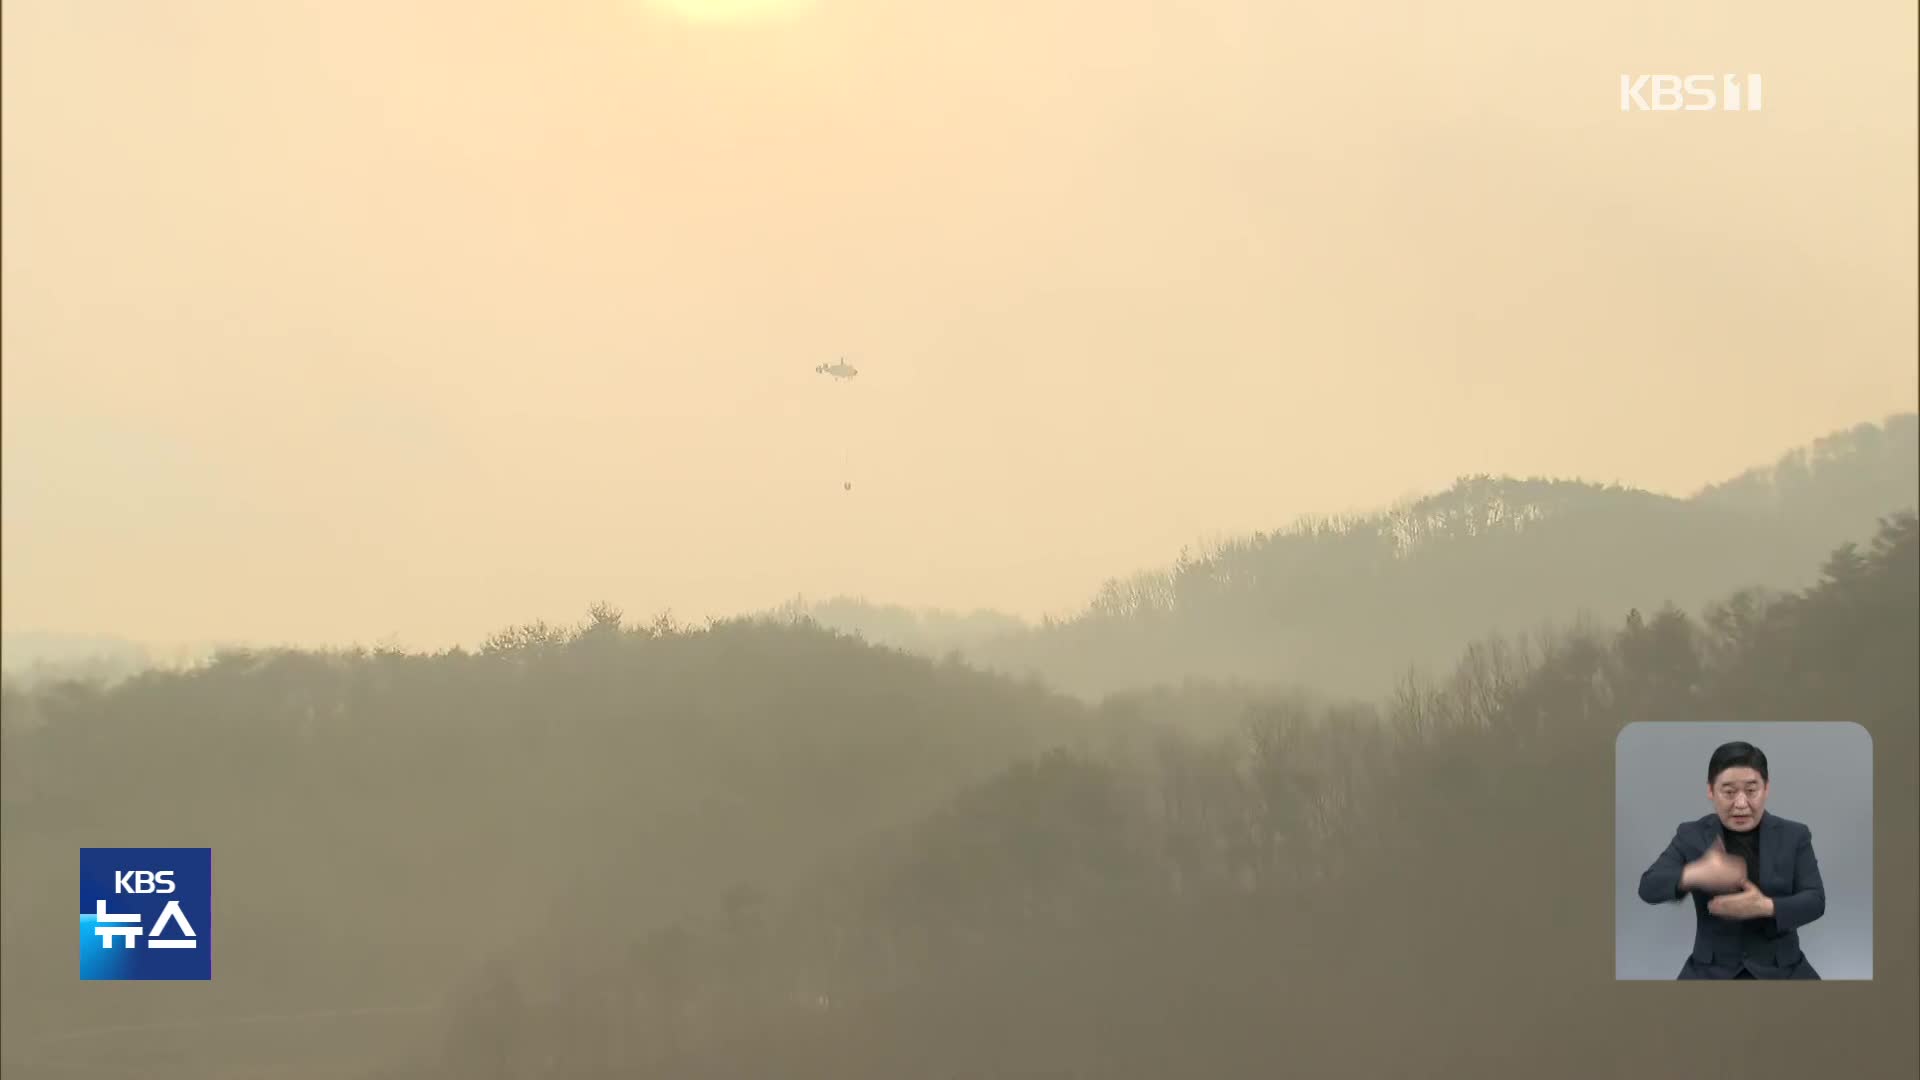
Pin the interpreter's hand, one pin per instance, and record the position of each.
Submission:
(1748, 903)
(1716, 871)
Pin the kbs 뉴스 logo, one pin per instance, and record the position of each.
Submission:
(146, 913)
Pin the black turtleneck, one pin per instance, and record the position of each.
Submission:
(1746, 845)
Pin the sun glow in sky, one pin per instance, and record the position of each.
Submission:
(326, 323)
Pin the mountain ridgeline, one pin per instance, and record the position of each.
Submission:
(1223, 906)
(1333, 889)
(409, 813)
(763, 847)
(1346, 604)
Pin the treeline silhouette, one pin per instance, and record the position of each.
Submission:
(736, 849)
(1419, 888)
(383, 821)
(1342, 602)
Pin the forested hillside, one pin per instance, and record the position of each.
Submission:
(383, 822)
(1332, 890)
(761, 847)
(1346, 603)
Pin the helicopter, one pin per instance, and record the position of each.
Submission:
(839, 369)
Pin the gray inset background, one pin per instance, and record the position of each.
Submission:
(1820, 774)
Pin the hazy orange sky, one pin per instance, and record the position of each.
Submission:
(329, 322)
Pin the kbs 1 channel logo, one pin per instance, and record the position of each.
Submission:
(1690, 93)
(146, 913)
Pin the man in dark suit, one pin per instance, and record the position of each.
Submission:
(1753, 877)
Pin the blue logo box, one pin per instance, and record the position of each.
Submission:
(146, 913)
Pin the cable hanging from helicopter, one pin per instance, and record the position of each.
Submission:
(842, 372)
